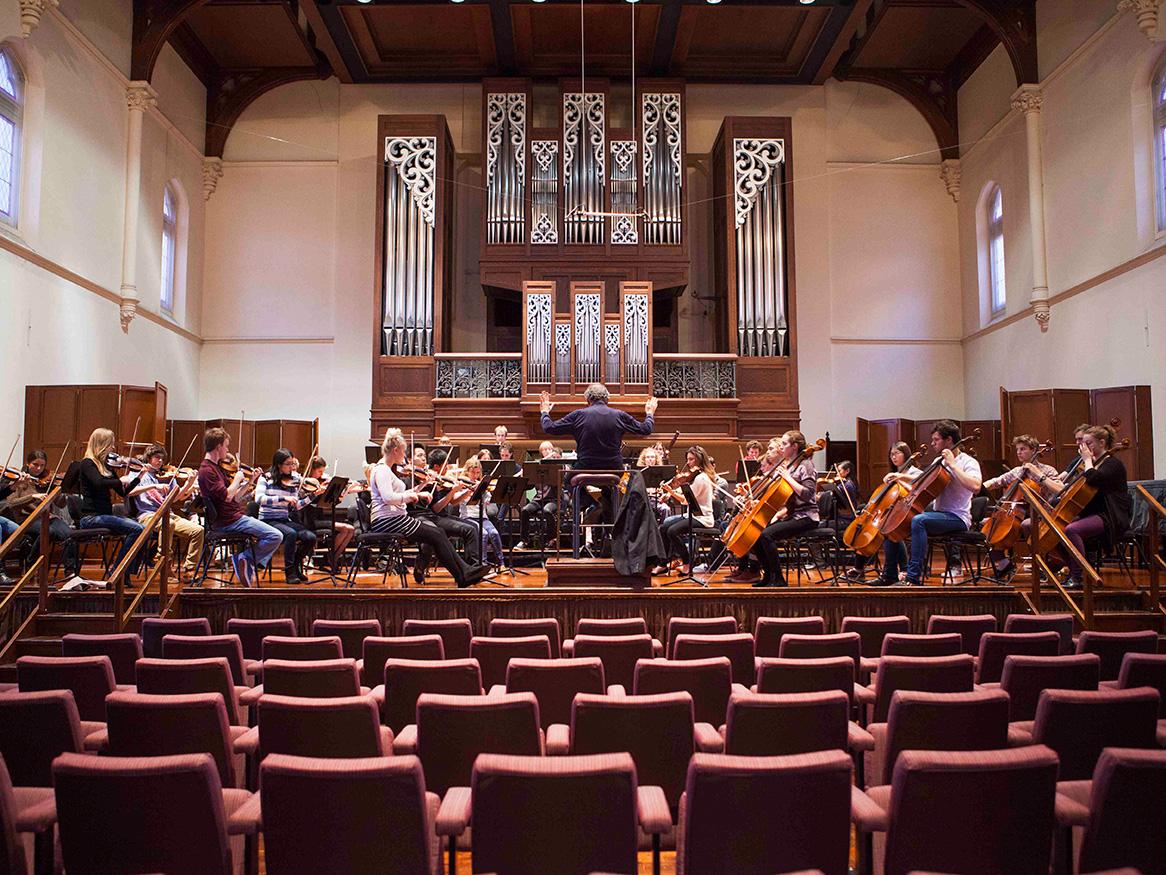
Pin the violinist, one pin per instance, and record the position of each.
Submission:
(280, 500)
(543, 505)
(26, 494)
(225, 493)
(343, 532)
(490, 538)
(1036, 472)
(150, 494)
(698, 473)
(1107, 515)
(438, 507)
(845, 494)
(894, 552)
(801, 514)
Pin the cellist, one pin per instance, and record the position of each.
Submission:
(747, 567)
(1044, 476)
(894, 552)
(801, 514)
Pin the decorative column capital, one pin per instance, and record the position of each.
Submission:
(1147, 13)
(212, 172)
(30, 14)
(1028, 98)
(949, 172)
(140, 96)
(129, 306)
(1042, 313)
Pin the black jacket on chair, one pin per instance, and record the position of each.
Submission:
(636, 544)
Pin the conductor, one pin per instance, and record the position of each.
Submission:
(598, 429)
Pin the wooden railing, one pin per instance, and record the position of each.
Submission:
(1155, 514)
(160, 572)
(478, 375)
(42, 516)
(694, 375)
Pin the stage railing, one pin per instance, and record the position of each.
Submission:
(41, 515)
(479, 375)
(1156, 513)
(1041, 515)
(692, 375)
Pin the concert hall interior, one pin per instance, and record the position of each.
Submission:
(608, 336)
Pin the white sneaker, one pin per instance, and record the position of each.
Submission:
(701, 569)
(521, 545)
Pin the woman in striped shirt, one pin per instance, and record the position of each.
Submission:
(278, 496)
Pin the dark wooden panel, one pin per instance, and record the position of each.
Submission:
(1071, 408)
(881, 435)
(987, 448)
(161, 398)
(1131, 405)
(297, 435)
(137, 408)
(242, 434)
(180, 433)
(51, 421)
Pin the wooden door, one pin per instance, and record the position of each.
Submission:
(137, 408)
(160, 399)
(185, 438)
(1131, 405)
(97, 407)
(862, 459)
(50, 422)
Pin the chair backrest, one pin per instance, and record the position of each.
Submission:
(708, 681)
(1062, 624)
(337, 728)
(656, 730)
(934, 674)
(141, 724)
(455, 634)
(363, 815)
(252, 632)
(90, 678)
(35, 728)
(872, 630)
(154, 628)
(453, 730)
(549, 626)
(119, 814)
(969, 627)
(768, 631)
(12, 857)
(944, 721)
(230, 647)
(123, 651)
(292, 648)
(1129, 796)
(995, 647)
(766, 814)
(554, 683)
(847, 644)
(351, 633)
(536, 815)
(619, 654)
(900, 644)
(406, 679)
(973, 831)
(312, 679)
(806, 675)
(179, 677)
(619, 626)
(738, 648)
(1112, 647)
(1026, 677)
(378, 651)
(698, 626)
(779, 724)
(494, 654)
(1145, 670)
(1079, 724)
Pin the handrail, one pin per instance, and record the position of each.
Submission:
(40, 514)
(1156, 512)
(1091, 576)
(12, 539)
(162, 515)
(484, 356)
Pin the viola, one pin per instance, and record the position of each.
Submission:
(864, 534)
(924, 490)
(1002, 529)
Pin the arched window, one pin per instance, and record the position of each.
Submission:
(1160, 142)
(994, 223)
(11, 113)
(169, 247)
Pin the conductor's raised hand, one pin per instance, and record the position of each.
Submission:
(544, 403)
(650, 406)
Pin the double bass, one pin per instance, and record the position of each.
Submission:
(1002, 529)
(925, 489)
(864, 535)
(769, 494)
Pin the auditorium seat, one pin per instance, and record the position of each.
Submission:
(229, 647)
(554, 683)
(1062, 624)
(619, 654)
(494, 654)
(846, 644)
(708, 681)
(995, 647)
(1113, 646)
(900, 644)
(338, 728)
(806, 675)
(359, 816)
(177, 677)
(765, 814)
(119, 814)
(252, 632)
(871, 631)
(1026, 677)
(26, 810)
(36, 728)
(90, 678)
(780, 724)
(377, 651)
(768, 632)
(623, 626)
(697, 626)
(970, 628)
(406, 679)
(123, 651)
(934, 674)
(155, 628)
(1143, 670)
(737, 648)
(455, 634)
(293, 648)
(503, 628)
(351, 633)
(311, 679)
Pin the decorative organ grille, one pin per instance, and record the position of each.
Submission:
(409, 264)
(583, 166)
(505, 167)
(758, 184)
(663, 166)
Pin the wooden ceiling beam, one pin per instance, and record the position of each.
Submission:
(193, 53)
(325, 43)
(972, 55)
(154, 22)
(234, 90)
(502, 26)
(1014, 22)
(858, 14)
(932, 93)
(665, 43)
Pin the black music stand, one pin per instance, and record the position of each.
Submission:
(693, 509)
(541, 474)
(510, 492)
(495, 450)
(747, 469)
(479, 496)
(654, 475)
(333, 494)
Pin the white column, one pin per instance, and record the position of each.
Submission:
(1028, 99)
(139, 97)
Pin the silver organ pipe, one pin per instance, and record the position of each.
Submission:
(563, 353)
(544, 188)
(410, 184)
(663, 167)
(636, 332)
(505, 167)
(759, 176)
(583, 166)
(611, 338)
(539, 326)
(588, 325)
(624, 228)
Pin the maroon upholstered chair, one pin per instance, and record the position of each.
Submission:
(407, 679)
(698, 626)
(802, 824)
(252, 632)
(455, 634)
(313, 679)
(359, 816)
(154, 629)
(619, 654)
(1144, 670)
(604, 626)
(36, 728)
(337, 728)
(351, 633)
(768, 632)
(972, 832)
(708, 681)
(229, 647)
(823, 647)
(505, 628)
(1062, 624)
(1026, 677)
(900, 644)
(123, 651)
(494, 654)
(995, 647)
(738, 648)
(779, 724)
(378, 651)
(149, 814)
(871, 631)
(90, 678)
(177, 677)
(1113, 646)
(969, 627)
(25, 810)
(554, 683)
(1120, 809)
(806, 675)
(453, 730)
(293, 648)
(935, 674)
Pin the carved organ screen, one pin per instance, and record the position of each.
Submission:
(408, 268)
(584, 125)
(506, 167)
(758, 195)
(663, 166)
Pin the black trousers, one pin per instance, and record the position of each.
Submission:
(430, 536)
(535, 509)
(298, 541)
(453, 528)
(58, 531)
(766, 547)
(675, 531)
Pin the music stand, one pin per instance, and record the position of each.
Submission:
(693, 509)
(333, 494)
(372, 453)
(654, 475)
(479, 495)
(541, 474)
(747, 469)
(495, 449)
(510, 492)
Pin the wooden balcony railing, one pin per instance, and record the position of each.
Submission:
(478, 375)
(160, 572)
(1156, 513)
(684, 375)
(40, 516)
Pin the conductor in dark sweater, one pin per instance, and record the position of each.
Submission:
(598, 430)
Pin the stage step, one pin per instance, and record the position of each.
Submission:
(59, 624)
(40, 645)
(1128, 621)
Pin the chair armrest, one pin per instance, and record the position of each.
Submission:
(657, 648)
(125, 688)
(858, 738)
(617, 690)
(386, 741)
(708, 740)
(253, 667)
(247, 819)
(1070, 812)
(652, 810)
(497, 690)
(558, 739)
(378, 694)
(864, 695)
(97, 741)
(741, 688)
(454, 815)
(251, 696)
(36, 809)
(568, 648)
(406, 740)
(1019, 736)
(248, 742)
(866, 814)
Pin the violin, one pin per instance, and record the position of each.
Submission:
(924, 490)
(11, 475)
(172, 472)
(864, 535)
(1002, 529)
(116, 462)
(230, 465)
(672, 487)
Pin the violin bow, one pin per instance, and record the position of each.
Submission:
(60, 461)
(133, 440)
(13, 450)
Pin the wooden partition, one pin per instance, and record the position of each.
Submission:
(256, 443)
(297, 435)
(875, 437)
(56, 416)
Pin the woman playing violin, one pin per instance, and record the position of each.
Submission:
(321, 522)
(280, 500)
(697, 474)
(150, 494)
(490, 538)
(801, 514)
(434, 480)
(1035, 472)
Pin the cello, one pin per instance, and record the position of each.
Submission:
(1002, 529)
(924, 490)
(1076, 495)
(864, 535)
(769, 494)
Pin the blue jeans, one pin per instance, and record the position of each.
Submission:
(120, 524)
(267, 539)
(894, 559)
(491, 539)
(7, 527)
(930, 522)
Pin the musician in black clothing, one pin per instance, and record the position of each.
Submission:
(445, 517)
(95, 481)
(542, 505)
